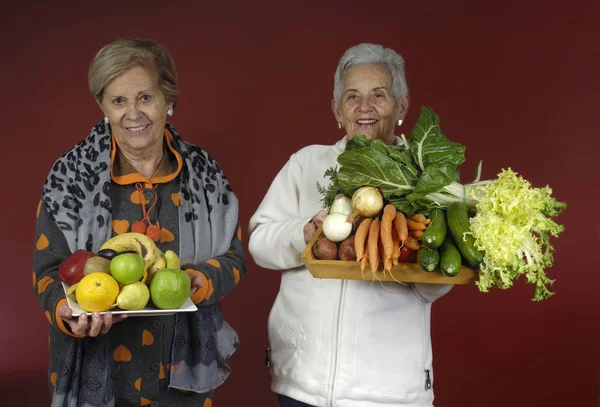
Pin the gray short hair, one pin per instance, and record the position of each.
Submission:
(120, 55)
(372, 54)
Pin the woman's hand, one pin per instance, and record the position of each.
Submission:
(197, 283)
(311, 227)
(100, 324)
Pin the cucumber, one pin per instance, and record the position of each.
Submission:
(458, 223)
(434, 235)
(428, 258)
(450, 258)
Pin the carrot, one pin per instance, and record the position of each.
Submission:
(411, 243)
(372, 244)
(360, 238)
(388, 266)
(365, 259)
(418, 217)
(413, 225)
(427, 221)
(381, 252)
(417, 234)
(396, 242)
(401, 227)
(389, 213)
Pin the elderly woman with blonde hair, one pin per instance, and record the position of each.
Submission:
(134, 173)
(345, 343)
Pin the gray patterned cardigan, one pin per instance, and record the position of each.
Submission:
(174, 360)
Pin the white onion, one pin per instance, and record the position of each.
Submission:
(336, 227)
(367, 201)
(342, 204)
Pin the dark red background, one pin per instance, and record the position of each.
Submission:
(517, 82)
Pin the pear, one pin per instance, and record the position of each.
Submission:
(173, 261)
(133, 297)
(71, 292)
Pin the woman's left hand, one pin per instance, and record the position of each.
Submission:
(197, 283)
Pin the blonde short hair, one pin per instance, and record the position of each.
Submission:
(123, 54)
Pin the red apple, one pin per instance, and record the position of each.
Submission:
(71, 269)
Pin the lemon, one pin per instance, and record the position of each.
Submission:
(97, 292)
(169, 288)
(133, 296)
(127, 268)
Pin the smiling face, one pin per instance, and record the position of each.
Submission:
(137, 110)
(368, 106)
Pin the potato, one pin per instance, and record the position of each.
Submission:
(346, 249)
(325, 249)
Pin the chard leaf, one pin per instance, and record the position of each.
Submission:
(435, 177)
(429, 145)
(403, 156)
(437, 157)
(358, 142)
(404, 205)
(373, 166)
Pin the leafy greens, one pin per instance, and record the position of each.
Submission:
(413, 178)
(513, 226)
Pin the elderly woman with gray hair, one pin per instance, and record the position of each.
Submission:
(345, 343)
(134, 173)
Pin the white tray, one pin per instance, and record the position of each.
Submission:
(149, 310)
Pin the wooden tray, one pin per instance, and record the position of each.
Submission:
(402, 272)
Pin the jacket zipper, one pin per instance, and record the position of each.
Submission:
(427, 380)
(336, 344)
(426, 344)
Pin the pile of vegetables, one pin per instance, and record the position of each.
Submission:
(354, 232)
(501, 226)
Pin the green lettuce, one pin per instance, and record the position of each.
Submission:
(512, 226)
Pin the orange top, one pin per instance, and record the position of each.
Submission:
(123, 173)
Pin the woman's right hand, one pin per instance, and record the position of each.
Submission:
(311, 227)
(82, 326)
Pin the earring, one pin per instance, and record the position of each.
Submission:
(170, 111)
(399, 122)
(339, 125)
(106, 119)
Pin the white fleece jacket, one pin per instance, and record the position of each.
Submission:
(342, 343)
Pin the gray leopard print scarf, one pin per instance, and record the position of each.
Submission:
(77, 194)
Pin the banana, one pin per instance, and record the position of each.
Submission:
(159, 264)
(143, 245)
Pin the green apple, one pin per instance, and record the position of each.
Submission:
(127, 268)
(169, 288)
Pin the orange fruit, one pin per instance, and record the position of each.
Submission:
(97, 292)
